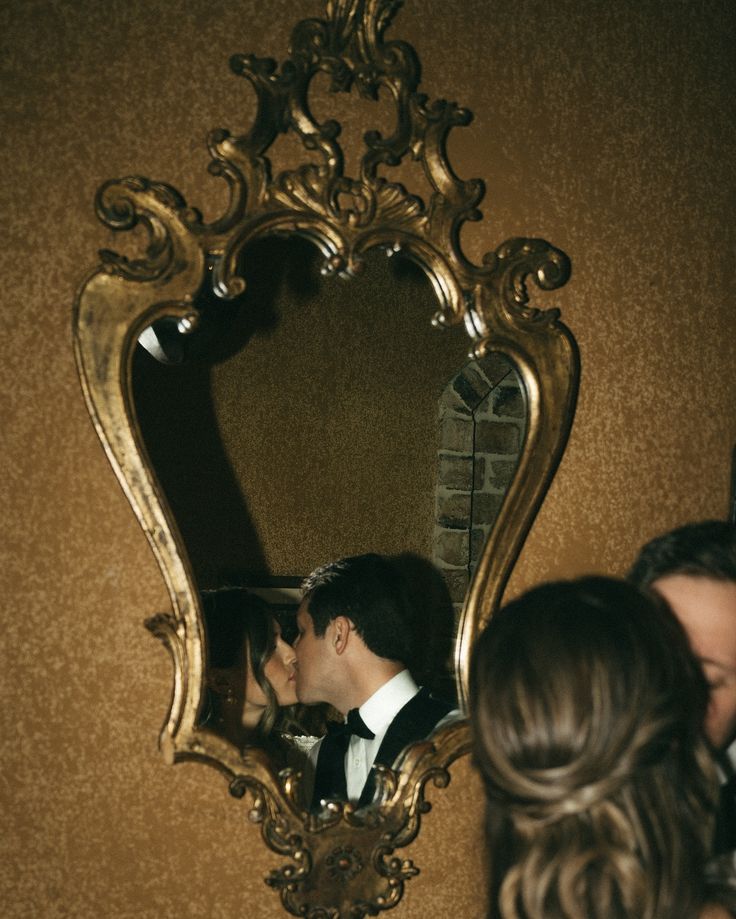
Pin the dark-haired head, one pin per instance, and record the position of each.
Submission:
(694, 569)
(706, 549)
(587, 707)
(371, 592)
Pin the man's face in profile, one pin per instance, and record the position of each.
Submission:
(707, 609)
(312, 660)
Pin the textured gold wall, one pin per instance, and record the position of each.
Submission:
(609, 130)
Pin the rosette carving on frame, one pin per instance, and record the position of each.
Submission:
(339, 863)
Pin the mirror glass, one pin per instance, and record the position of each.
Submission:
(315, 418)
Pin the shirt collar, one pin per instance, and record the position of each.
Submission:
(381, 709)
(727, 760)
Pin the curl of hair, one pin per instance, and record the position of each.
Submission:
(586, 707)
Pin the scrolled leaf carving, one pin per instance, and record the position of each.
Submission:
(123, 204)
(519, 259)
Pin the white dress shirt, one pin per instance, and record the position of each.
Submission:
(377, 712)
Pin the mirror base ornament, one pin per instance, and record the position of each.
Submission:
(342, 861)
(341, 865)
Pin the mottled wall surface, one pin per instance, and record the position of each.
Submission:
(607, 129)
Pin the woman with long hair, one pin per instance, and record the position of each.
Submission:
(587, 708)
(251, 668)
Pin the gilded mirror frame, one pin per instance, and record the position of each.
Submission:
(341, 864)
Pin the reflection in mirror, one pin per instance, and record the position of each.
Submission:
(482, 414)
(250, 697)
(259, 669)
(357, 639)
(251, 675)
(314, 419)
(300, 425)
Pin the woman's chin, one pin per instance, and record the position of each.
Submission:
(288, 698)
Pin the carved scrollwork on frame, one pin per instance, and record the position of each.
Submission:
(340, 863)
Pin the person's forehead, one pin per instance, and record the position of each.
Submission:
(708, 596)
(302, 614)
(706, 607)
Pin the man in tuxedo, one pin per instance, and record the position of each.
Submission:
(354, 638)
(694, 569)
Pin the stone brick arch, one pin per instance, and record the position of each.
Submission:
(482, 422)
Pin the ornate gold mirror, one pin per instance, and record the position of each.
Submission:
(199, 298)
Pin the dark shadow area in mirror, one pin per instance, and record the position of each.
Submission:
(433, 624)
(178, 416)
(181, 436)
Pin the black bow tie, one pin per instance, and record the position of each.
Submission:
(329, 779)
(353, 725)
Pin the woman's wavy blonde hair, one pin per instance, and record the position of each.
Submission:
(587, 706)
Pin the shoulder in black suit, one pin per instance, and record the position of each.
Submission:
(415, 721)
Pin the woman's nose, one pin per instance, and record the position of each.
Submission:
(288, 654)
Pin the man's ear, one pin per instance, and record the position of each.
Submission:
(341, 629)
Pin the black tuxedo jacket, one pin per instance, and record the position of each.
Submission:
(414, 722)
(725, 832)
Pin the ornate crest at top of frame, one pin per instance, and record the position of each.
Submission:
(344, 215)
(341, 863)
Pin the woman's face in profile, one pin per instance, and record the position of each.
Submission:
(280, 672)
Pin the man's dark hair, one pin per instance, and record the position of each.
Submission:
(369, 590)
(706, 549)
